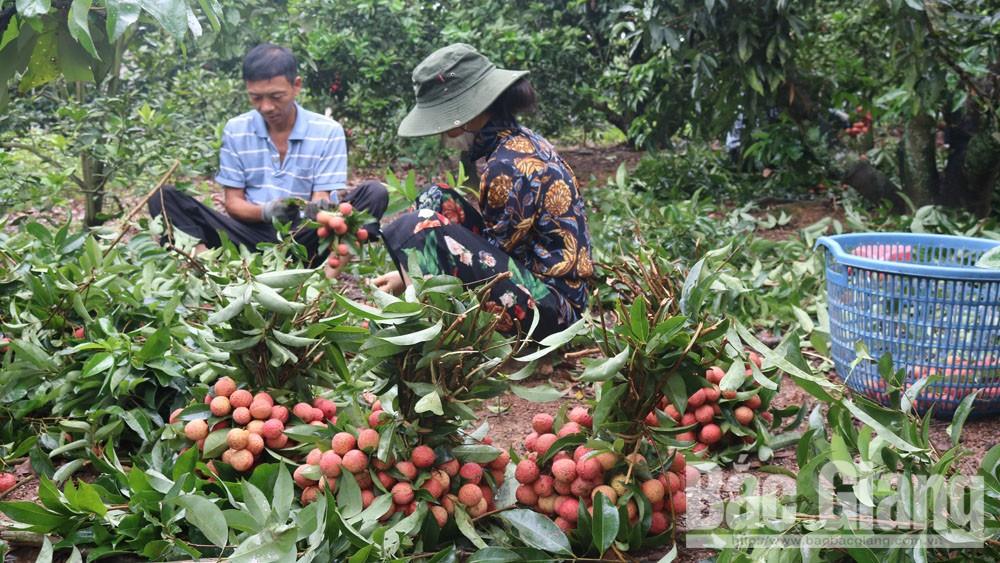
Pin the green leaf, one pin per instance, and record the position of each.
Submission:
(67, 470)
(34, 353)
(604, 526)
(605, 370)
(215, 443)
(32, 8)
(284, 278)
(494, 555)
(430, 402)
(155, 346)
(293, 340)
(39, 519)
(206, 516)
(284, 494)
(537, 394)
(537, 531)
(958, 419)
(170, 14)
(415, 337)
(884, 432)
(45, 554)
(476, 453)
(120, 15)
(349, 495)
(990, 259)
(79, 25)
(554, 341)
(98, 363)
(43, 63)
(273, 301)
(87, 498)
(465, 526)
(610, 395)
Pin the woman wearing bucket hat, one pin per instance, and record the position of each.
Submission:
(531, 219)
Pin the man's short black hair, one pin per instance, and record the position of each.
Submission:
(267, 60)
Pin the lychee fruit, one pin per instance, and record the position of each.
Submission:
(241, 460)
(367, 440)
(568, 510)
(7, 482)
(279, 413)
(255, 444)
(240, 398)
(564, 525)
(440, 515)
(704, 414)
(607, 460)
(653, 490)
(255, 426)
(542, 423)
(175, 416)
(696, 399)
(471, 472)
(451, 467)
(607, 491)
(581, 487)
(589, 469)
(753, 402)
(544, 442)
(526, 472)
(710, 434)
(272, 429)
(470, 494)
(237, 439)
(241, 416)
(342, 442)
(264, 398)
(196, 430)
(355, 461)
(303, 411)
(564, 470)
(309, 495)
(277, 443)
(543, 485)
(402, 493)
(220, 406)
(422, 457)
(433, 486)
(329, 464)
(407, 470)
(657, 524)
(526, 495)
(501, 461)
(581, 416)
(260, 410)
(743, 415)
(224, 387)
(569, 429)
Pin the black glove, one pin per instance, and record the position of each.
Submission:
(285, 210)
(314, 207)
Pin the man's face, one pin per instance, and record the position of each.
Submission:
(274, 98)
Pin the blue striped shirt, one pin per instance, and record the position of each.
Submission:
(316, 159)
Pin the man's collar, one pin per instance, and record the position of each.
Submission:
(298, 130)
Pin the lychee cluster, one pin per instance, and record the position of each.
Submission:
(449, 483)
(255, 422)
(337, 224)
(710, 428)
(573, 477)
(863, 123)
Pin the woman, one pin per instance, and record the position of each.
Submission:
(531, 219)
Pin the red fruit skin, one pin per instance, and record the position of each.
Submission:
(704, 414)
(423, 457)
(362, 235)
(542, 423)
(673, 413)
(527, 472)
(346, 209)
(471, 472)
(7, 482)
(697, 399)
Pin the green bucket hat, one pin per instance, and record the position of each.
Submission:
(453, 85)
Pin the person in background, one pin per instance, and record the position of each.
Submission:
(279, 163)
(531, 220)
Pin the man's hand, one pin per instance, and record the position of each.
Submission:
(390, 282)
(314, 207)
(284, 210)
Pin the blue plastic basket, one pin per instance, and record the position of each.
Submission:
(922, 299)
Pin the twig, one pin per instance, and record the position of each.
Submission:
(142, 203)
(582, 353)
(47, 159)
(21, 537)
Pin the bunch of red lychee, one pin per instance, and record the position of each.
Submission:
(573, 477)
(337, 224)
(449, 483)
(863, 123)
(706, 410)
(255, 421)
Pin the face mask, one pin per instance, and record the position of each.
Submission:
(462, 142)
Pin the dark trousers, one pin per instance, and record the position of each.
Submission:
(443, 236)
(205, 224)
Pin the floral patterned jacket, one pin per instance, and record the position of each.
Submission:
(532, 208)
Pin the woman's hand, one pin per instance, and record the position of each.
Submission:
(332, 272)
(390, 282)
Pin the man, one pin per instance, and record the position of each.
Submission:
(272, 159)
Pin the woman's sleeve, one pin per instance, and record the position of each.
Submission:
(509, 204)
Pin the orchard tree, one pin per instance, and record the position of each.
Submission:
(77, 49)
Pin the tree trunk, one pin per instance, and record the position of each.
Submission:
(973, 167)
(93, 193)
(917, 161)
